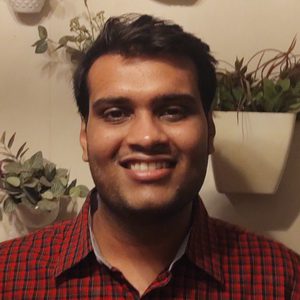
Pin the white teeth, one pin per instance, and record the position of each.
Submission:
(144, 166)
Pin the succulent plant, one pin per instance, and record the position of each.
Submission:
(36, 182)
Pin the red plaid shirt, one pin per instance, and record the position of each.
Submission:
(220, 262)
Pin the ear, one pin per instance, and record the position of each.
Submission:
(83, 140)
(211, 132)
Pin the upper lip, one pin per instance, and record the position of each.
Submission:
(125, 161)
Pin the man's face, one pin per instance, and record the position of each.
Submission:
(146, 138)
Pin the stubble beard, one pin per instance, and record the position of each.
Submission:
(118, 205)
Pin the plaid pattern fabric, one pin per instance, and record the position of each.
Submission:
(221, 262)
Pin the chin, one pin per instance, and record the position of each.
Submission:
(146, 205)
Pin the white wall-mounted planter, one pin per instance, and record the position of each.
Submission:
(27, 6)
(251, 150)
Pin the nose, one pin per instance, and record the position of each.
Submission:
(147, 133)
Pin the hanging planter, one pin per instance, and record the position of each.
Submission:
(251, 150)
(34, 218)
(27, 6)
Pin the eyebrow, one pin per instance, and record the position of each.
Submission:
(163, 98)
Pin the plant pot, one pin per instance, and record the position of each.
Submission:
(251, 150)
(34, 218)
(27, 6)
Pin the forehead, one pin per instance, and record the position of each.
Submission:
(113, 73)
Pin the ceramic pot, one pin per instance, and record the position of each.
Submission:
(251, 150)
(27, 6)
(34, 218)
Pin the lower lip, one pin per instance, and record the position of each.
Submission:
(150, 175)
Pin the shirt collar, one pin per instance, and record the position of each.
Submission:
(76, 242)
(203, 248)
(102, 260)
(201, 244)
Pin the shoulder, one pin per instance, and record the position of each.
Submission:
(233, 236)
(259, 253)
(40, 246)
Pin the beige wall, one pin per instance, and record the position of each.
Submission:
(36, 98)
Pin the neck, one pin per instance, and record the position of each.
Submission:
(140, 249)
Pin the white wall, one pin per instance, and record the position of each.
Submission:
(36, 98)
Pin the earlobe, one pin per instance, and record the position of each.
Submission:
(211, 133)
(83, 141)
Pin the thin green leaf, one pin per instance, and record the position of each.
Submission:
(2, 139)
(7, 160)
(20, 150)
(22, 154)
(11, 141)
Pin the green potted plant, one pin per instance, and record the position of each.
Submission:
(33, 187)
(254, 112)
(79, 39)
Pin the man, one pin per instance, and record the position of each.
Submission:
(144, 91)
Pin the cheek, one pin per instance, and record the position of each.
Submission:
(191, 140)
(103, 144)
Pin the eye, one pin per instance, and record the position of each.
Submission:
(173, 113)
(115, 114)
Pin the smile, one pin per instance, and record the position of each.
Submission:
(149, 166)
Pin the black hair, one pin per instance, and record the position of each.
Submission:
(143, 35)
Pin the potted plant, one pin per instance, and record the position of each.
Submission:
(255, 111)
(78, 41)
(33, 187)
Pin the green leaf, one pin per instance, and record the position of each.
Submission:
(32, 195)
(14, 181)
(47, 205)
(2, 139)
(36, 161)
(64, 181)
(13, 167)
(61, 172)
(83, 191)
(294, 107)
(43, 34)
(65, 39)
(9, 205)
(50, 171)
(284, 84)
(7, 160)
(11, 140)
(32, 183)
(57, 188)
(20, 150)
(47, 195)
(75, 192)
(22, 154)
(44, 181)
(41, 47)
